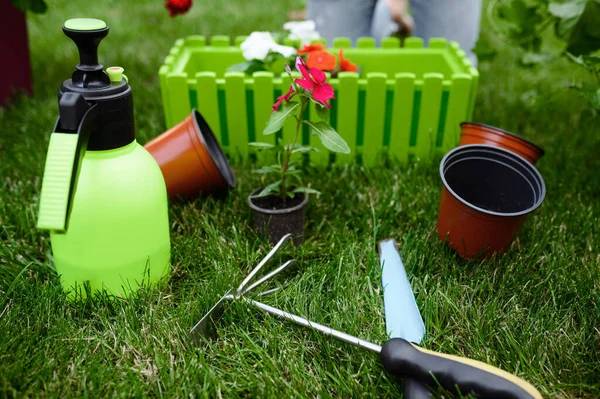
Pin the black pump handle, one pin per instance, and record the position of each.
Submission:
(87, 42)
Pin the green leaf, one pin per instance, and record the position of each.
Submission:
(569, 13)
(530, 59)
(268, 169)
(278, 117)
(590, 93)
(329, 137)
(566, 10)
(306, 190)
(249, 67)
(271, 189)
(35, 6)
(299, 148)
(484, 50)
(585, 36)
(322, 112)
(261, 146)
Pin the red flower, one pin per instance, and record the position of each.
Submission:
(178, 6)
(285, 97)
(321, 60)
(314, 81)
(346, 65)
(309, 48)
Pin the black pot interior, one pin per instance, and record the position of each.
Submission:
(493, 180)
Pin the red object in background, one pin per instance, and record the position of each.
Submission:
(15, 68)
(176, 7)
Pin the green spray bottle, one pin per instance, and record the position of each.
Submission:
(103, 196)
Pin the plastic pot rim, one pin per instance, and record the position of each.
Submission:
(507, 153)
(502, 131)
(212, 147)
(276, 211)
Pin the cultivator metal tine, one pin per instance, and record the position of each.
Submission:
(202, 328)
(272, 253)
(268, 276)
(267, 292)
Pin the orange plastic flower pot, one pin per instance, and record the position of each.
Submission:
(487, 194)
(478, 133)
(191, 159)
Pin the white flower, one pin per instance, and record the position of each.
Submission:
(258, 44)
(305, 31)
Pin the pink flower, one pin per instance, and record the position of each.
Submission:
(314, 80)
(285, 97)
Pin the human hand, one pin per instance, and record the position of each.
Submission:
(400, 15)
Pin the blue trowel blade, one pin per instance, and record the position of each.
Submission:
(402, 316)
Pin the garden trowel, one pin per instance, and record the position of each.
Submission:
(402, 316)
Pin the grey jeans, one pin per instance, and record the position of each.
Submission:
(453, 19)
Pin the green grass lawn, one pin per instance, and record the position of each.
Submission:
(534, 311)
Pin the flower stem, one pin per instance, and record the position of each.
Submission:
(289, 151)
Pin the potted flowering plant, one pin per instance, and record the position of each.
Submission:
(262, 52)
(279, 207)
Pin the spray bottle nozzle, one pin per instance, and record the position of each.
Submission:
(87, 33)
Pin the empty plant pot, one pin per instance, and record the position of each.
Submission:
(274, 218)
(191, 159)
(478, 133)
(487, 193)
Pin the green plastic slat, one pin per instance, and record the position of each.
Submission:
(374, 118)
(164, 94)
(438, 43)
(207, 98)
(195, 41)
(413, 42)
(342, 42)
(179, 97)
(263, 105)
(321, 40)
(239, 40)
(169, 59)
(404, 94)
(347, 103)
(460, 95)
(430, 114)
(220, 41)
(390, 42)
(237, 118)
(365, 42)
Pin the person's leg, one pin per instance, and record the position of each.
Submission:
(383, 25)
(341, 18)
(456, 20)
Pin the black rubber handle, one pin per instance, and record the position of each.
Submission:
(453, 373)
(413, 389)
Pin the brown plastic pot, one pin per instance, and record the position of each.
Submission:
(487, 194)
(191, 159)
(274, 221)
(478, 133)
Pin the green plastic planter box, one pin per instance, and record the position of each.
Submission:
(407, 101)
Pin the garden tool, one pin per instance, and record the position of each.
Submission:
(402, 316)
(103, 196)
(399, 357)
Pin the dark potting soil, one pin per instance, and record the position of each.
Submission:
(275, 202)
